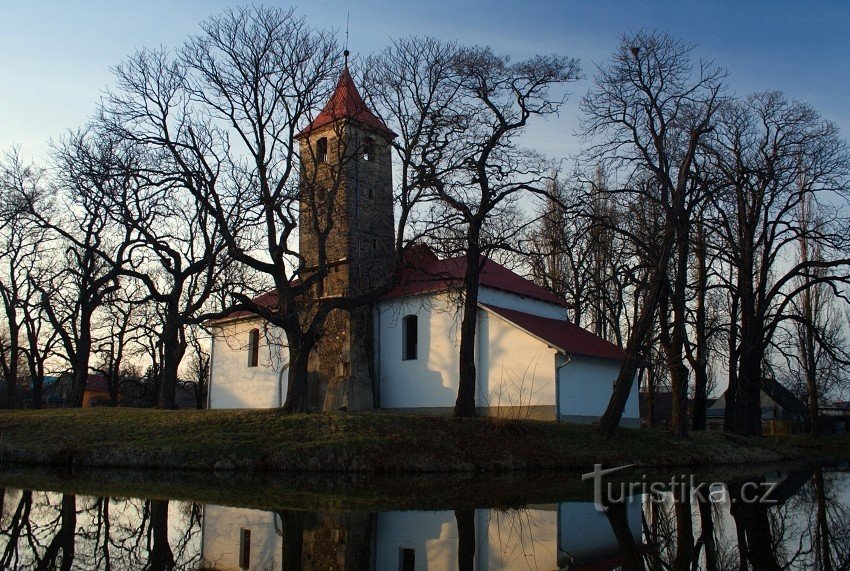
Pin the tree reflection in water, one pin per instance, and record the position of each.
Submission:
(808, 527)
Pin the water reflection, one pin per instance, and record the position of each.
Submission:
(805, 525)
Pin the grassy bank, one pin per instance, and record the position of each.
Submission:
(353, 442)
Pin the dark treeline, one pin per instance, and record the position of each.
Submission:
(704, 232)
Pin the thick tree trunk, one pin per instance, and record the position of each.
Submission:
(80, 375)
(466, 539)
(12, 367)
(174, 348)
(618, 518)
(161, 556)
(684, 531)
(679, 373)
(754, 536)
(297, 391)
(465, 403)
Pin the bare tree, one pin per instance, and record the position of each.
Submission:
(460, 111)
(647, 114)
(773, 154)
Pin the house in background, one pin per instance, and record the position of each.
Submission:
(662, 409)
(781, 411)
(401, 352)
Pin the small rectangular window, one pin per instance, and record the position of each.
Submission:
(368, 149)
(406, 559)
(244, 548)
(410, 337)
(253, 347)
(322, 150)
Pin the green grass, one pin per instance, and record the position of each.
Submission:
(351, 442)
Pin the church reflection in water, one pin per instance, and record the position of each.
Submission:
(423, 523)
(567, 535)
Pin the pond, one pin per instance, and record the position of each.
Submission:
(768, 517)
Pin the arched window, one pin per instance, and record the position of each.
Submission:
(410, 337)
(322, 150)
(253, 347)
(368, 149)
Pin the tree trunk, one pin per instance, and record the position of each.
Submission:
(823, 539)
(465, 404)
(617, 517)
(161, 556)
(174, 347)
(676, 355)
(297, 391)
(684, 531)
(634, 348)
(466, 539)
(706, 519)
(80, 374)
(700, 360)
(12, 369)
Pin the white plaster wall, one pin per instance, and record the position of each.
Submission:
(236, 385)
(514, 368)
(433, 535)
(431, 379)
(586, 385)
(499, 298)
(517, 540)
(221, 533)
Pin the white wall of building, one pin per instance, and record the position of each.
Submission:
(430, 380)
(585, 386)
(515, 368)
(236, 385)
(500, 298)
(433, 536)
(585, 534)
(517, 540)
(221, 534)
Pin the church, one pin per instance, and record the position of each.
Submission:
(401, 353)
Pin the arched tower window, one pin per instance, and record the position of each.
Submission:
(253, 347)
(322, 150)
(410, 337)
(368, 149)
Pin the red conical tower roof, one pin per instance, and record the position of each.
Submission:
(346, 103)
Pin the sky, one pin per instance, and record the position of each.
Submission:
(55, 56)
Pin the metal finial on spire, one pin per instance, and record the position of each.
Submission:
(346, 53)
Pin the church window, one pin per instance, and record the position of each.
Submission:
(410, 336)
(322, 150)
(244, 548)
(253, 347)
(368, 150)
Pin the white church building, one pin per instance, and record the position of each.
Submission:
(531, 361)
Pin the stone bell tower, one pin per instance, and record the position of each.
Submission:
(347, 204)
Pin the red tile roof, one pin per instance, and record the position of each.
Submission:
(428, 274)
(346, 103)
(561, 334)
(267, 300)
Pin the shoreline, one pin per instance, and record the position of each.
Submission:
(368, 442)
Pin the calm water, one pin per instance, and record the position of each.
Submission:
(794, 517)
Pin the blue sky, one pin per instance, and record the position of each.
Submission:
(55, 55)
